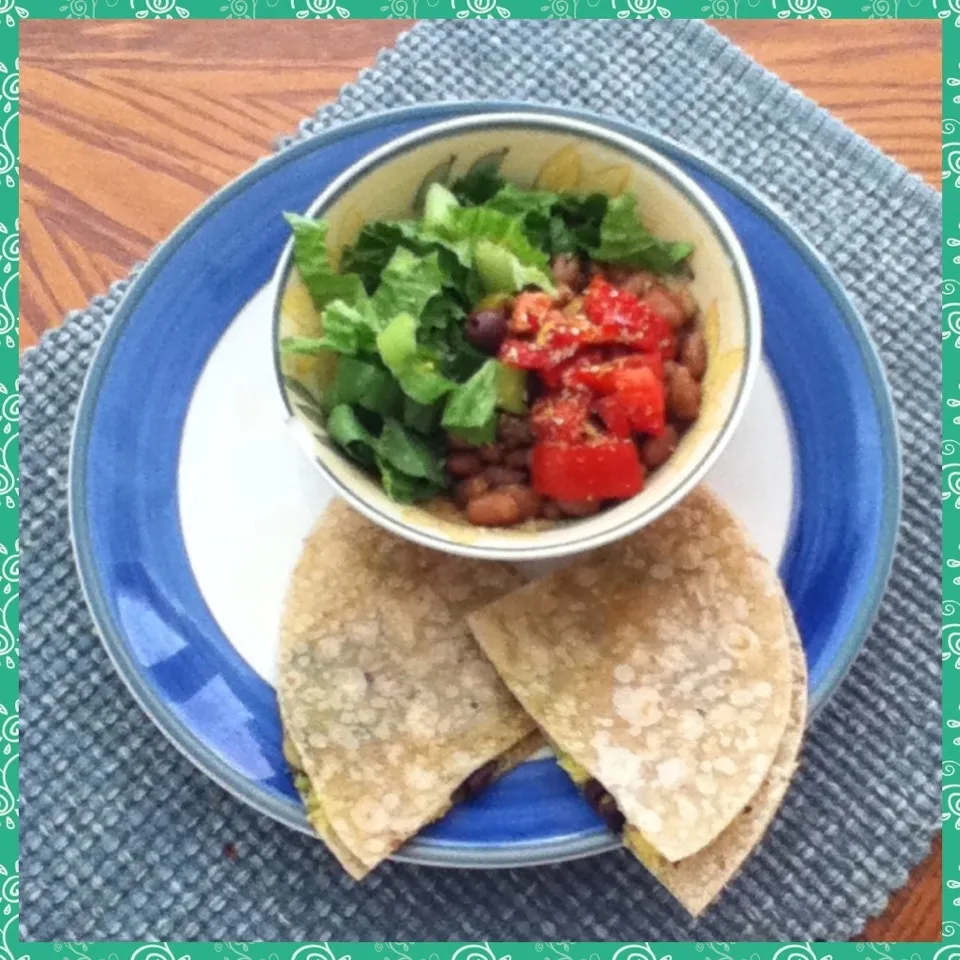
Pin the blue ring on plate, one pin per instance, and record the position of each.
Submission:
(155, 624)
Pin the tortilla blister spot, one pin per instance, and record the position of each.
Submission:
(614, 655)
(387, 700)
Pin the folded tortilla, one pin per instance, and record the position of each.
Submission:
(390, 710)
(698, 880)
(659, 666)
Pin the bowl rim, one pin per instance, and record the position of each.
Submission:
(638, 151)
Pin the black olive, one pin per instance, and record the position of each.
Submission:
(486, 330)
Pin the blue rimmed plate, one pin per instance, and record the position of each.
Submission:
(189, 498)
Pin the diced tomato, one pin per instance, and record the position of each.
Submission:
(527, 355)
(529, 311)
(599, 377)
(642, 398)
(565, 373)
(614, 416)
(559, 330)
(620, 317)
(655, 335)
(602, 470)
(561, 417)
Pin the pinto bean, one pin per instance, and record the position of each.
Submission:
(693, 354)
(568, 271)
(499, 508)
(578, 508)
(656, 451)
(514, 432)
(687, 301)
(463, 464)
(470, 489)
(550, 511)
(519, 459)
(491, 453)
(683, 395)
(617, 274)
(498, 476)
(639, 283)
(528, 501)
(458, 443)
(665, 304)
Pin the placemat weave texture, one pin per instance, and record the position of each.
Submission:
(121, 838)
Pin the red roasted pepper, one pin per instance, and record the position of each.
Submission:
(529, 311)
(561, 417)
(607, 469)
(600, 376)
(614, 416)
(528, 355)
(619, 317)
(642, 397)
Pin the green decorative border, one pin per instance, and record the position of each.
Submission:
(12, 11)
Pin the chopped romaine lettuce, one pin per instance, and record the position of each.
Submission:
(366, 383)
(313, 263)
(409, 453)
(408, 283)
(473, 404)
(351, 435)
(624, 239)
(413, 366)
(374, 247)
(501, 271)
(402, 488)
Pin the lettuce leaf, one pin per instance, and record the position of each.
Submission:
(480, 183)
(501, 271)
(409, 454)
(461, 228)
(313, 263)
(415, 367)
(409, 468)
(365, 383)
(624, 239)
(422, 417)
(408, 283)
(473, 404)
(516, 202)
(310, 346)
(350, 330)
(374, 247)
(351, 435)
(402, 488)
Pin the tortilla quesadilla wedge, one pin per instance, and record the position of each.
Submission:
(698, 880)
(390, 710)
(658, 667)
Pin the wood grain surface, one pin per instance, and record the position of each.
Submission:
(127, 126)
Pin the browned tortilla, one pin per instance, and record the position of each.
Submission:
(661, 666)
(387, 701)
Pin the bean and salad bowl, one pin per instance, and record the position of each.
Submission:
(514, 336)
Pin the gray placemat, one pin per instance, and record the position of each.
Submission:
(123, 839)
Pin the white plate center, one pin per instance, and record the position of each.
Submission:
(249, 494)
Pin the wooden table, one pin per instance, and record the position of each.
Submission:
(127, 126)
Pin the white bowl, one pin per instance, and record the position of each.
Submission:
(556, 153)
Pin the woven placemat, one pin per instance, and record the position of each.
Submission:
(122, 838)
